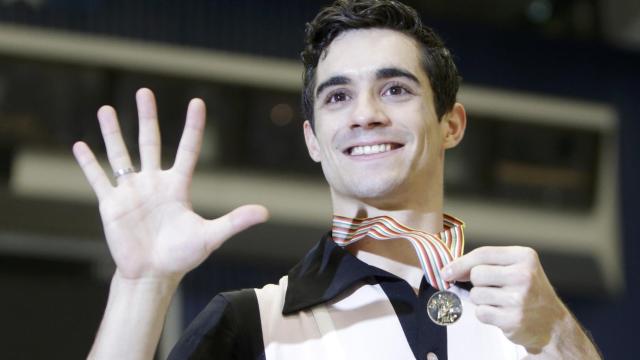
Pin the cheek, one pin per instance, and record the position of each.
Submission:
(326, 133)
(430, 138)
(325, 146)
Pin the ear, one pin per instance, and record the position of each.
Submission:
(453, 125)
(311, 141)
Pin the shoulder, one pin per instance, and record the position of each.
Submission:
(271, 297)
(228, 328)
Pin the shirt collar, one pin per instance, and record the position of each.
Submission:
(325, 272)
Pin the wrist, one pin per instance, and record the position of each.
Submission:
(158, 287)
(568, 341)
(134, 317)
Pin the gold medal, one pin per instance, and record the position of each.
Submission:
(444, 308)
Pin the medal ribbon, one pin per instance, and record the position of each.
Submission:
(434, 250)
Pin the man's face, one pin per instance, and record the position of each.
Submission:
(376, 131)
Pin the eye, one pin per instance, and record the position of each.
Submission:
(396, 90)
(336, 96)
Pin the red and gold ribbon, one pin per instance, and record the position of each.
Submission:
(434, 250)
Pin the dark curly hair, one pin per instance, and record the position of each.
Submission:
(344, 15)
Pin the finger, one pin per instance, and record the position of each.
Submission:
(491, 275)
(460, 269)
(496, 316)
(498, 297)
(222, 228)
(149, 134)
(191, 141)
(91, 168)
(116, 149)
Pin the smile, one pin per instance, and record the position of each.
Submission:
(371, 149)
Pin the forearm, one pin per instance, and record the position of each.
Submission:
(133, 318)
(568, 341)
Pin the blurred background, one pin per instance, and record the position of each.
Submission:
(549, 159)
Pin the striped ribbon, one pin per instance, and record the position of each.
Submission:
(434, 250)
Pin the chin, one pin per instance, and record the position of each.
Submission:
(374, 191)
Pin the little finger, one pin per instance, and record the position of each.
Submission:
(495, 316)
(191, 141)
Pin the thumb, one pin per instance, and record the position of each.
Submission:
(237, 220)
(456, 271)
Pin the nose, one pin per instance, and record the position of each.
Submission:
(368, 113)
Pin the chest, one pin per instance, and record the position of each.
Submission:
(364, 323)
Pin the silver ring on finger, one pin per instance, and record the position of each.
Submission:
(124, 171)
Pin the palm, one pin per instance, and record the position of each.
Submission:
(142, 222)
(150, 227)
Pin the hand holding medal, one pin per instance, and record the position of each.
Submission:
(512, 292)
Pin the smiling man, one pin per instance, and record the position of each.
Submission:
(390, 280)
(376, 132)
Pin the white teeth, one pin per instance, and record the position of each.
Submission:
(370, 149)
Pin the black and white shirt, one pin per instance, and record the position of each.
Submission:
(371, 314)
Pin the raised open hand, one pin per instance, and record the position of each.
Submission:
(148, 221)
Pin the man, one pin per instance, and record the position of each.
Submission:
(380, 99)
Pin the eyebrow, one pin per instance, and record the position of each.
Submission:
(391, 72)
(384, 73)
(332, 81)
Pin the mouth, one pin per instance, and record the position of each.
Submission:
(360, 150)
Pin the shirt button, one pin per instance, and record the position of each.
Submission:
(432, 356)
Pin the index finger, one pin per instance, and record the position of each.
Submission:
(191, 141)
(460, 268)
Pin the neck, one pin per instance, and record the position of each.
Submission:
(395, 256)
(417, 211)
